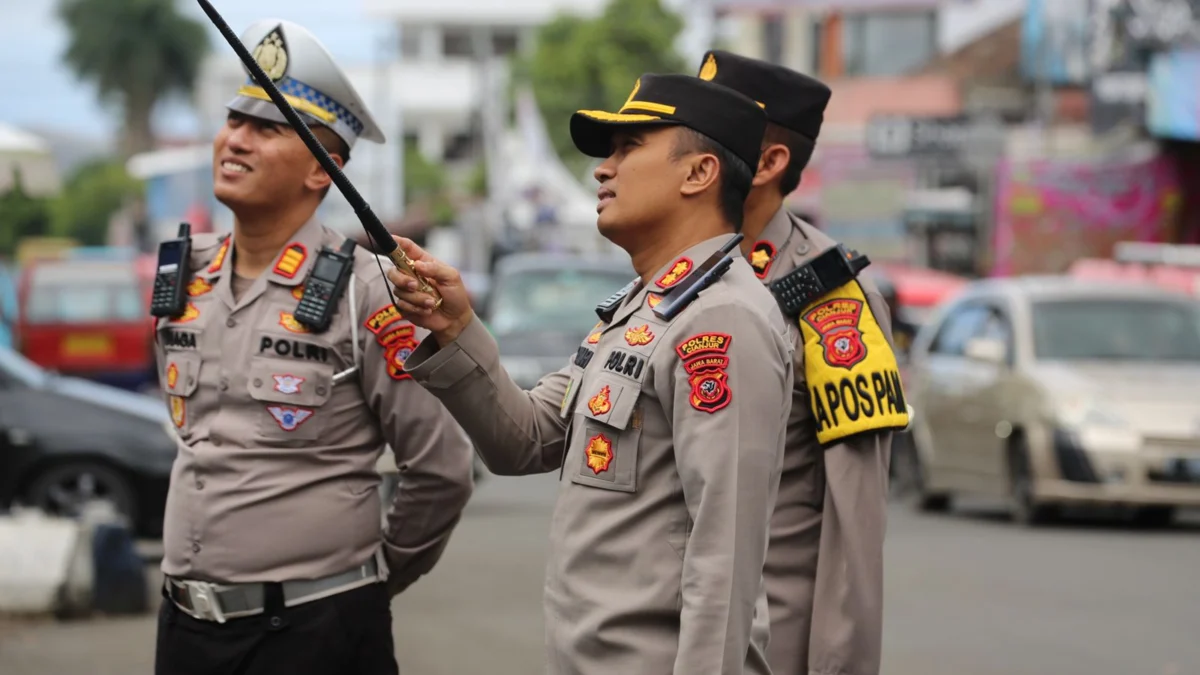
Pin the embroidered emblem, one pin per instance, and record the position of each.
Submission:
(272, 55)
(190, 313)
(172, 376)
(836, 321)
(599, 453)
(198, 287)
(595, 335)
(287, 384)
(600, 403)
(219, 260)
(382, 318)
(289, 418)
(676, 274)
(178, 411)
(710, 389)
(639, 336)
(652, 300)
(298, 292)
(761, 257)
(704, 343)
(400, 345)
(290, 260)
(288, 321)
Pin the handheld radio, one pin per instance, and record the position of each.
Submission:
(171, 277)
(324, 286)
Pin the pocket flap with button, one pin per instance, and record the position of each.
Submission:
(284, 382)
(609, 401)
(182, 373)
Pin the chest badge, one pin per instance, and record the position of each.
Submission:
(178, 411)
(639, 336)
(288, 321)
(190, 313)
(594, 337)
(198, 287)
(599, 453)
(761, 256)
(289, 418)
(288, 384)
(172, 376)
(600, 404)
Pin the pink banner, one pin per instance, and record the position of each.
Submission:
(1050, 213)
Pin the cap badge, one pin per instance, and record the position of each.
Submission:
(272, 54)
(709, 70)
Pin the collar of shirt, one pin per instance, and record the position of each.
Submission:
(290, 267)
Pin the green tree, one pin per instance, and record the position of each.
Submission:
(580, 63)
(21, 216)
(426, 183)
(137, 53)
(93, 193)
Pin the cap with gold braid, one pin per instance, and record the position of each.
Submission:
(792, 100)
(308, 78)
(722, 114)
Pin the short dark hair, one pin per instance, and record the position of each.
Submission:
(736, 176)
(799, 147)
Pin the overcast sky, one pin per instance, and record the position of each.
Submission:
(39, 92)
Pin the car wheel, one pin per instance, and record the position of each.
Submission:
(1026, 509)
(63, 490)
(1153, 517)
(911, 470)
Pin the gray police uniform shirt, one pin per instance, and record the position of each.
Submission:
(669, 436)
(824, 570)
(275, 479)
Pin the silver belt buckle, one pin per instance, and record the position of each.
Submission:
(203, 596)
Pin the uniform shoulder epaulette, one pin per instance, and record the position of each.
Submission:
(608, 308)
(833, 268)
(206, 247)
(700, 278)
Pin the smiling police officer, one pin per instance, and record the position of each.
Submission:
(284, 378)
(824, 568)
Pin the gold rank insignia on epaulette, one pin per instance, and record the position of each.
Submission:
(850, 368)
(608, 308)
(684, 293)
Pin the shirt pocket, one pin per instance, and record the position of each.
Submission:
(180, 379)
(607, 435)
(291, 397)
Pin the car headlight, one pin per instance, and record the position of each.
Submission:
(1097, 427)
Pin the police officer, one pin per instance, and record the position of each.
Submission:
(667, 431)
(824, 570)
(273, 552)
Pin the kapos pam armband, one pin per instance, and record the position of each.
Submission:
(851, 370)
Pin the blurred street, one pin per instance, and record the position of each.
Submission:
(967, 594)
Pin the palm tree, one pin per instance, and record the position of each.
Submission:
(138, 53)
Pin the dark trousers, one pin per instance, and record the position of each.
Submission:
(345, 634)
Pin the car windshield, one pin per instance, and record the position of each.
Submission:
(1108, 329)
(562, 300)
(19, 368)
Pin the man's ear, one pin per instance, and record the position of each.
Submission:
(703, 171)
(772, 162)
(317, 180)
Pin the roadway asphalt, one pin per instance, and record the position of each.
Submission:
(967, 594)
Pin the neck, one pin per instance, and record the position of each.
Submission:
(670, 241)
(761, 206)
(258, 237)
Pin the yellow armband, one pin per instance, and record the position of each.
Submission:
(851, 370)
